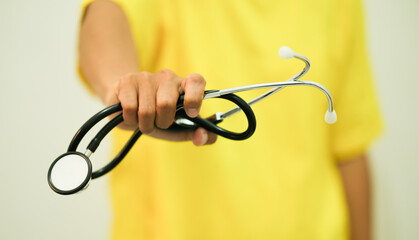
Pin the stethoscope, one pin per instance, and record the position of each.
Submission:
(72, 171)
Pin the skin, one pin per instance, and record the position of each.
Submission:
(110, 64)
(356, 183)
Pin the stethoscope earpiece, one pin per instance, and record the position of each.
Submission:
(70, 173)
(286, 52)
(331, 117)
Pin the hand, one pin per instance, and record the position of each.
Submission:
(149, 103)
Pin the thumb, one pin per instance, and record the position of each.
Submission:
(203, 137)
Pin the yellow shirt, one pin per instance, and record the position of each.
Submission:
(283, 182)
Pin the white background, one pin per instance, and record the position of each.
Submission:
(42, 104)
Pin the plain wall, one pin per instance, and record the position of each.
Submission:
(393, 29)
(42, 105)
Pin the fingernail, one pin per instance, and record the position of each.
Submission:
(204, 138)
(192, 112)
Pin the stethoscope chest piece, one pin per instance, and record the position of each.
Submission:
(70, 173)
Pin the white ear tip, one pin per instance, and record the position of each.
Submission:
(286, 52)
(330, 117)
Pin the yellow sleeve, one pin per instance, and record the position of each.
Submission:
(359, 120)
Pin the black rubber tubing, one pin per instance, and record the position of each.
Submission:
(212, 126)
(201, 122)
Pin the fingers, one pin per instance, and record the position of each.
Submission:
(149, 102)
(166, 98)
(193, 86)
(128, 95)
(146, 102)
(203, 137)
(212, 138)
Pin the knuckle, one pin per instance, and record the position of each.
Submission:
(127, 80)
(165, 104)
(196, 78)
(145, 75)
(191, 101)
(129, 77)
(124, 81)
(145, 79)
(166, 72)
(130, 107)
(146, 113)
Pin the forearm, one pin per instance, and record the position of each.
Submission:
(356, 182)
(109, 62)
(106, 47)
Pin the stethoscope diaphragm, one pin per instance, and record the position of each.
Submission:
(70, 173)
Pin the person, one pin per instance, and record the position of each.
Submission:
(295, 178)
